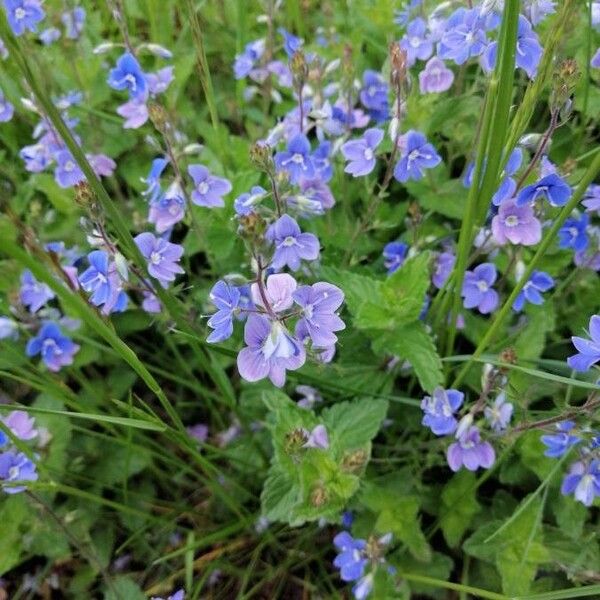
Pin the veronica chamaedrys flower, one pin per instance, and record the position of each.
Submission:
(162, 257)
(49, 35)
(591, 199)
(588, 351)
(271, 350)
(159, 82)
(278, 292)
(322, 161)
(291, 245)
(508, 186)
(416, 41)
(435, 77)
(245, 204)
(178, 595)
(394, 254)
(361, 153)
(374, 96)
(245, 62)
(464, 36)
(102, 281)
(15, 466)
(583, 481)
(417, 154)
(9, 329)
(551, 187)
(314, 198)
(439, 409)
(23, 15)
(291, 43)
(128, 75)
(573, 234)
(208, 189)
(153, 191)
(34, 294)
(499, 414)
(538, 10)
(67, 172)
(21, 425)
(516, 224)
(310, 396)
(558, 443)
(73, 20)
(469, 451)
(317, 438)
(595, 62)
(296, 159)
(56, 349)
(135, 112)
(227, 299)
(167, 210)
(529, 51)
(103, 165)
(477, 288)
(7, 110)
(532, 291)
(351, 560)
(318, 318)
(444, 264)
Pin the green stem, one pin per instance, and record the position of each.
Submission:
(448, 585)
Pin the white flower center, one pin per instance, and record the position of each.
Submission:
(368, 154)
(20, 14)
(511, 221)
(131, 80)
(69, 166)
(278, 343)
(203, 187)
(483, 286)
(289, 241)
(13, 473)
(156, 258)
(297, 158)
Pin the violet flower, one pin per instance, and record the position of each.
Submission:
(439, 409)
(469, 451)
(296, 159)
(208, 189)
(435, 77)
(34, 294)
(57, 350)
(532, 291)
(162, 257)
(417, 155)
(551, 187)
(291, 245)
(516, 224)
(361, 153)
(477, 288)
(583, 481)
(588, 351)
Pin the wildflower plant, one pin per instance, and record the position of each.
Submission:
(296, 301)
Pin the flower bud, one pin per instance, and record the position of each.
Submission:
(193, 149)
(104, 48)
(158, 116)
(84, 195)
(299, 68)
(354, 462)
(399, 65)
(260, 155)
(564, 81)
(122, 266)
(463, 425)
(319, 496)
(158, 50)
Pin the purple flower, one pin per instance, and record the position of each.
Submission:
(558, 443)
(443, 268)
(226, 298)
(21, 425)
(278, 292)
(73, 20)
(436, 77)
(591, 200)
(198, 432)
(291, 43)
(464, 36)
(314, 198)
(439, 410)
(103, 165)
(162, 257)
(351, 560)
(159, 82)
(34, 294)
(310, 396)
(134, 112)
(153, 191)
(588, 351)
(319, 319)
(361, 153)
(102, 281)
(583, 481)
(67, 172)
(23, 14)
(477, 288)
(209, 189)
(6, 109)
(9, 330)
(322, 162)
(573, 234)
(469, 451)
(516, 224)
(374, 96)
(499, 414)
(394, 255)
(128, 75)
(15, 466)
(244, 63)
(596, 60)
(296, 160)
(551, 187)
(363, 587)
(539, 9)
(168, 210)
(317, 438)
(416, 42)
(291, 245)
(49, 35)
(417, 155)
(178, 595)
(270, 351)
(531, 292)
(244, 204)
(56, 349)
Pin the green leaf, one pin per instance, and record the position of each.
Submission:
(124, 587)
(13, 512)
(358, 289)
(61, 199)
(459, 506)
(414, 344)
(279, 496)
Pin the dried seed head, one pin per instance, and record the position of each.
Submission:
(399, 65)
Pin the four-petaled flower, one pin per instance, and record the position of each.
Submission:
(34, 294)
(469, 451)
(583, 481)
(162, 257)
(558, 443)
(532, 290)
(361, 153)
(573, 234)
(435, 77)
(499, 414)
(551, 187)
(291, 245)
(296, 159)
(208, 189)
(417, 154)
(56, 349)
(23, 14)
(128, 75)
(516, 224)
(588, 350)
(439, 410)
(351, 560)
(15, 466)
(226, 298)
(477, 288)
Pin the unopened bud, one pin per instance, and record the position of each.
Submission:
(319, 496)
(463, 425)
(158, 116)
(294, 442)
(122, 266)
(84, 195)
(299, 68)
(354, 462)
(564, 80)
(260, 155)
(158, 50)
(104, 48)
(508, 356)
(399, 65)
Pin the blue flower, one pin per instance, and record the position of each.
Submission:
(417, 155)
(291, 43)
(499, 414)
(439, 410)
(34, 294)
(226, 298)
(558, 443)
(551, 187)
(23, 14)
(244, 63)
(67, 172)
(374, 96)
(573, 234)
(56, 349)
(416, 42)
(128, 75)
(477, 288)
(161, 255)
(291, 245)
(540, 9)
(361, 153)
(539, 282)
(6, 109)
(245, 203)
(15, 466)
(394, 254)
(583, 481)
(351, 560)
(153, 191)
(73, 21)
(588, 350)
(296, 160)
(102, 281)
(464, 36)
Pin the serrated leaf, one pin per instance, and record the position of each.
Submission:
(357, 289)
(414, 344)
(279, 496)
